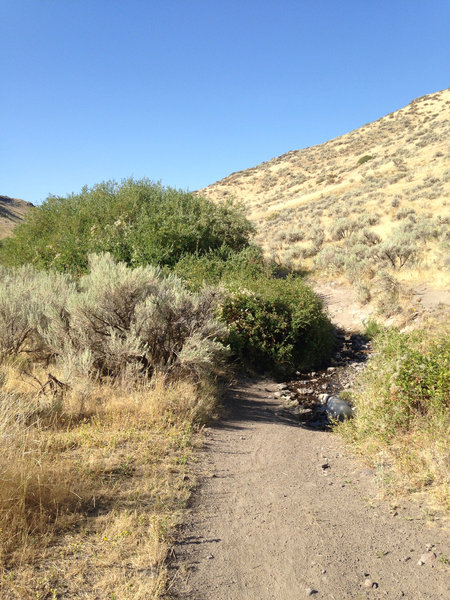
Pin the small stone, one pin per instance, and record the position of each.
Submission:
(331, 369)
(428, 557)
(322, 398)
(310, 591)
(368, 583)
(210, 556)
(429, 547)
(420, 563)
(277, 394)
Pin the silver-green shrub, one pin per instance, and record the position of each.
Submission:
(116, 321)
(27, 300)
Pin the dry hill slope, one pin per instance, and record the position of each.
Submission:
(12, 211)
(390, 177)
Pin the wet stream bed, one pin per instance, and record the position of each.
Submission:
(310, 397)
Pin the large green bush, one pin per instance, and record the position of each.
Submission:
(137, 222)
(223, 267)
(277, 324)
(276, 321)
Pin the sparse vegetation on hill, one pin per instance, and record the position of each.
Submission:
(12, 212)
(372, 201)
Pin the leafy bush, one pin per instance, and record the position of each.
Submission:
(364, 159)
(138, 222)
(222, 267)
(402, 403)
(277, 324)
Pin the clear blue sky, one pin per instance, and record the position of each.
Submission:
(187, 91)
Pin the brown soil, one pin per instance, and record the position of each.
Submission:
(283, 512)
(342, 305)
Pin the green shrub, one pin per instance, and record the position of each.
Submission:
(364, 159)
(222, 266)
(137, 222)
(277, 324)
(402, 403)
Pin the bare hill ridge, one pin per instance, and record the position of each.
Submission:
(12, 211)
(389, 173)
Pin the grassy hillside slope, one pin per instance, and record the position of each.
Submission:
(389, 177)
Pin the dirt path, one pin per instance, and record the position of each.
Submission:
(342, 305)
(282, 512)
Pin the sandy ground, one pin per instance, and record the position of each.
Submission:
(342, 305)
(283, 512)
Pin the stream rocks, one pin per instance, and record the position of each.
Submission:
(338, 409)
(313, 397)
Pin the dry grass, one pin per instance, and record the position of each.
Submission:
(92, 487)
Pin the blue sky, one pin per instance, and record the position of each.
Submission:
(188, 91)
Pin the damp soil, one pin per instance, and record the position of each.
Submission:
(305, 397)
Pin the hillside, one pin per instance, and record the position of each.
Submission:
(319, 206)
(12, 211)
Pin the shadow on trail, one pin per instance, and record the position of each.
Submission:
(249, 403)
(302, 402)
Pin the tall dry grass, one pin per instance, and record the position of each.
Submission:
(92, 487)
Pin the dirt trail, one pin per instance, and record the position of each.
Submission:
(283, 512)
